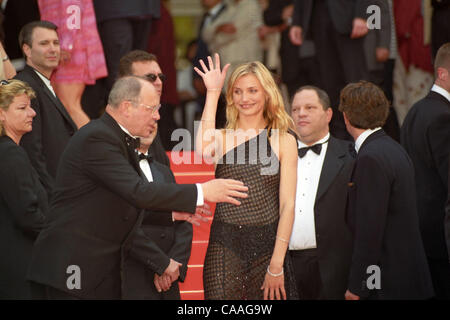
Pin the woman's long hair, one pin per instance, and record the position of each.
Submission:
(274, 111)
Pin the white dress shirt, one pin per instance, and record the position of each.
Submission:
(309, 169)
(46, 81)
(363, 136)
(145, 167)
(441, 91)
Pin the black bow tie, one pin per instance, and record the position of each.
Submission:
(132, 142)
(143, 157)
(317, 148)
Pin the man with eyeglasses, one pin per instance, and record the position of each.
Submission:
(144, 64)
(169, 242)
(101, 191)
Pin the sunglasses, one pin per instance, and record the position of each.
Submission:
(152, 77)
(4, 82)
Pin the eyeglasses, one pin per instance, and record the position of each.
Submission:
(152, 77)
(4, 82)
(153, 109)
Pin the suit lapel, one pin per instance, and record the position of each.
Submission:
(130, 152)
(372, 136)
(438, 96)
(58, 104)
(332, 164)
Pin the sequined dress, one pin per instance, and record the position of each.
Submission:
(242, 237)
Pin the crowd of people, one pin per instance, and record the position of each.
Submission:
(331, 158)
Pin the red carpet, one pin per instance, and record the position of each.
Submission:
(192, 288)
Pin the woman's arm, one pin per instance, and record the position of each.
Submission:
(207, 136)
(274, 285)
(8, 68)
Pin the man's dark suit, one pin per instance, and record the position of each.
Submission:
(382, 215)
(166, 239)
(52, 129)
(295, 71)
(334, 244)
(96, 209)
(447, 216)
(425, 134)
(23, 205)
(340, 59)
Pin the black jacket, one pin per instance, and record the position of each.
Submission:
(342, 13)
(165, 239)
(97, 207)
(334, 241)
(52, 129)
(382, 215)
(425, 134)
(23, 204)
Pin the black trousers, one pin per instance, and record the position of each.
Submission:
(119, 36)
(307, 273)
(340, 60)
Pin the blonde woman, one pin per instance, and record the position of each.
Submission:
(247, 247)
(23, 200)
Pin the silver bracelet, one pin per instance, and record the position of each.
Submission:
(281, 239)
(274, 274)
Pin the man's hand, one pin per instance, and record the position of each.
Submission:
(195, 219)
(295, 34)
(173, 270)
(224, 190)
(162, 283)
(350, 296)
(360, 28)
(382, 54)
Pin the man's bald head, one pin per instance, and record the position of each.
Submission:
(127, 89)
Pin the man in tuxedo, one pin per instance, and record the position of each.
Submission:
(320, 244)
(447, 217)
(425, 134)
(169, 243)
(166, 238)
(99, 196)
(335, 29)
(143, 64)
(388, 260)
(52, 126)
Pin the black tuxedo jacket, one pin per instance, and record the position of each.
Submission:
(162, 239)
(342, 13)
(334, 241)
(52, 129)
(23, 204)
(447, 216)
(382, 215)
(425, 134)
(98, 202)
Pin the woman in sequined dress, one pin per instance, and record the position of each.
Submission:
(246, 256)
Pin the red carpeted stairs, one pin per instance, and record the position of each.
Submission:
(189, 168)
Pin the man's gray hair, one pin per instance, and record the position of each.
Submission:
(125, 89)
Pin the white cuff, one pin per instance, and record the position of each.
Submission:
(200, 199)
